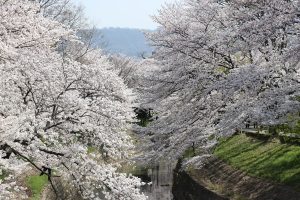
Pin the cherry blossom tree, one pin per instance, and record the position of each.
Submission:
(222, 63)
(55, 106)
(65, 12)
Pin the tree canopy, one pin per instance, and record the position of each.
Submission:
(55, 104)
(222, 63)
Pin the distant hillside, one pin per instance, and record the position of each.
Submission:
(130, 42)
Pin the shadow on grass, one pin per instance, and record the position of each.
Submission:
(273, 161)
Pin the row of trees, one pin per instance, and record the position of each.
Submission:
(58, 99)
(222, 63)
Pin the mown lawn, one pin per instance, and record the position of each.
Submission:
(36, 184)
(270, 160)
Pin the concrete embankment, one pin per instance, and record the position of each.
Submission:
(222, 179)
(186, 188)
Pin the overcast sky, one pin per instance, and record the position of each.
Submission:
(122, 13)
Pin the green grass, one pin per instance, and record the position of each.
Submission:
(3, 175)
(189, 153)
(291, 126)
(144, 122)
(36, 184)
(270, 160)
(92, 149)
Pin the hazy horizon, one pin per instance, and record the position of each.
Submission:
(126, 41)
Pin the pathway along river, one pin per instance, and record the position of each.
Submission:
(169, 182)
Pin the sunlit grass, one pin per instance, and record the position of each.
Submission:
(270, 160)
(36, 184)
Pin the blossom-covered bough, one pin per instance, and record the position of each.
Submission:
(56, 105)
(222, 63)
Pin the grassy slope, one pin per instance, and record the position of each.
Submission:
(36, 184)
(270, 160)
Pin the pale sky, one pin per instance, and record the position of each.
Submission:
(122, 13)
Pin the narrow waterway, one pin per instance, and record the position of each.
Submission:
(162, 181)
(169, 182)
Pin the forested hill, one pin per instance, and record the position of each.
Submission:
(130, 42)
